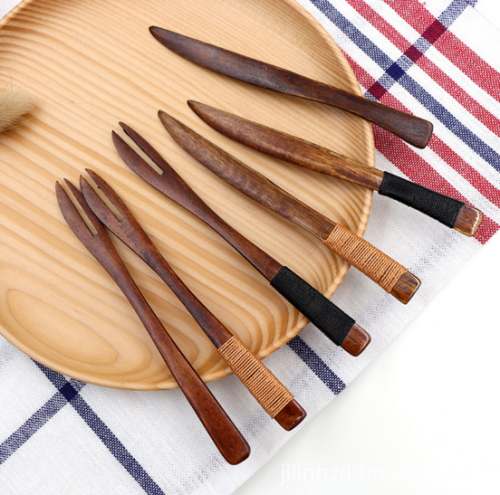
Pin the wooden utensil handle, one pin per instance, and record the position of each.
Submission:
(270, 393)
(411, 129)
(389, 274)
(219, 426)
(448, 211)
(339, 327)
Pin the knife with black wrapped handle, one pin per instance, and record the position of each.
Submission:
(449, 211)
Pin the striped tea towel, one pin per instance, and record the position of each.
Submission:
(435, 59)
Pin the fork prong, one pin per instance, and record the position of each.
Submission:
(73, 217)
(127, 228)
(110, 193)
(98, 205)
(99, 208)
(146, 147)
(85, 207)
(169, 182)
(132, 158)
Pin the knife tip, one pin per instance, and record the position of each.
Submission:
(197, 106)
(166, 119)
(154, 30)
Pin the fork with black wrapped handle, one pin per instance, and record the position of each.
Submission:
(339, 327)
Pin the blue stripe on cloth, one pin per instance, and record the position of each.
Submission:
(108, 438)
(317, 365)
(395, 71)
(43, 415)
(453, 12)
(34, 423)
(68, 392)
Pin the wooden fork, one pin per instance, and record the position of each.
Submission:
(271, 394)
(219, 426)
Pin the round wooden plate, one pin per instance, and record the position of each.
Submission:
(90, 64)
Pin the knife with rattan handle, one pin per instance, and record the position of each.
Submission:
(387, 273)
(411, 129)
(449, 211)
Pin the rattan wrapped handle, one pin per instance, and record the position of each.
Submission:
(269, 392)
(382, 269)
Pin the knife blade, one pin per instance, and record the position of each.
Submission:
(449, 211)
(411, 129)
(339, 327)
(390, 275)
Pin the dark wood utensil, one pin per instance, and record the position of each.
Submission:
(271, 394)
(331, 320)
(412, 129)
(449, 211)
(219, 426)
(390, 275)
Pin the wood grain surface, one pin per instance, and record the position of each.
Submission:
(90, 64)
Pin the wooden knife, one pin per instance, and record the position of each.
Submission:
(449, 211)
(390, 275)
(411, 129)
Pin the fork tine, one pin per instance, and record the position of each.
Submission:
(73, 217)
(132, 158)
(146, 147)
(85, 207)
(169, 182)
(110, 193)
(127, 228)
(98, 206)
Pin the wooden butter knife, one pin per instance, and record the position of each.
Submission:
(412, 129)
(219, 426)
(390, 275)
(328, 318)
(271, 394)
(451, 212)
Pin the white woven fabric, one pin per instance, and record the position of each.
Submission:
(60, 436)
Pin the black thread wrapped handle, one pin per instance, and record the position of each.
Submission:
(436, 205)
(325, 315)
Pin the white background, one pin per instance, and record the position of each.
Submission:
(412, 422)
(420, 418)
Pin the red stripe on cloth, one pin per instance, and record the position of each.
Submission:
(419, 171)
(486, 188)
(454, 49)
(444, 81)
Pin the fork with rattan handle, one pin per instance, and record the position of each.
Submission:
(219, 426)
(271, 394)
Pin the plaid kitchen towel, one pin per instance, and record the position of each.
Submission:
(436, 59)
